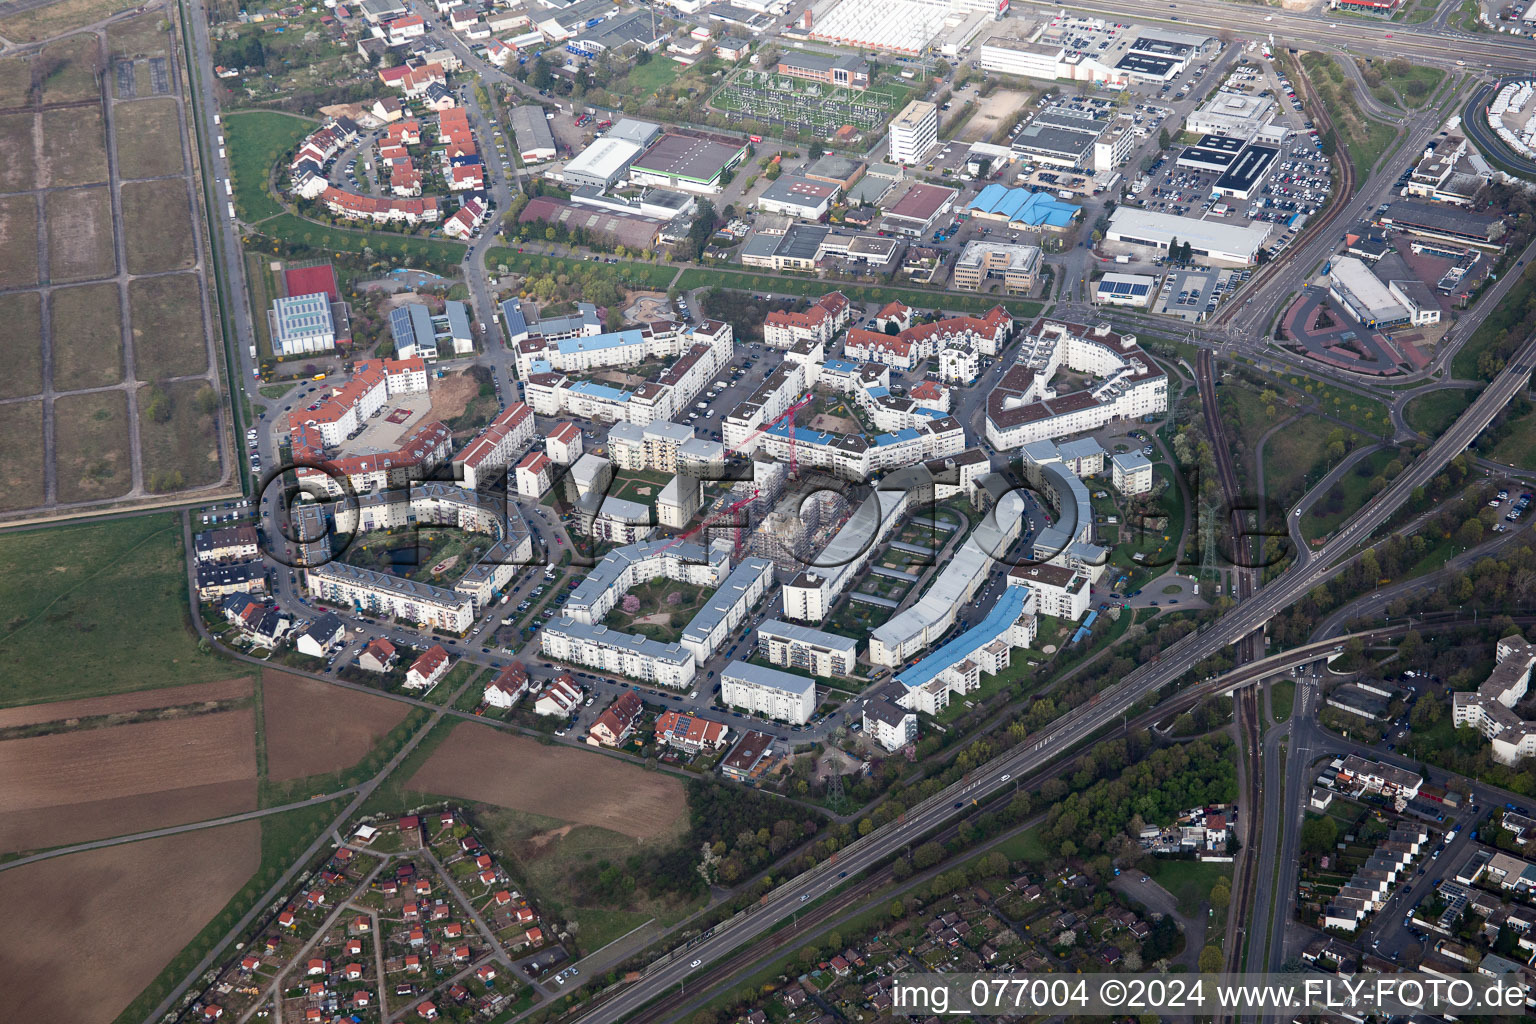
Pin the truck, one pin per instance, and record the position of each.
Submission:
(1122, 259)
(231, 210)
(253, 351)
(229, 189)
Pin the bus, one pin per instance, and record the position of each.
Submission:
(318, 376)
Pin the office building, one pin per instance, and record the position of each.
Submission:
(913, 132)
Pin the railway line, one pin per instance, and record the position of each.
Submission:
(1243, 582)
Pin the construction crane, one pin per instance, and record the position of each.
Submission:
(729, 510)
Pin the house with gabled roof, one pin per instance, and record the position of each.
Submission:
(616, 722)
(426, 671)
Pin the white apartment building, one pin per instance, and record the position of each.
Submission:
(377, 593)
(579, 353)
(564, 444)
(1025, 407)
(818, 324)
(652, 446)
(886, 721)
(1131, 473)
(1059, 592)
(489, 452)
(727, 608)
(956, 667)
(914, 132)
(678, 501)
(1490, 709)
(741, 430)
(810, 650)
(351, 405)
(622, 568)
(624, 654)
(534, 475)
(768, 692)
(667, 393)
(855, 457)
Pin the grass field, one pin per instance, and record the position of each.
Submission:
(18, 242)
(90, 353)
(1293, 459)
(73, 78)
(144, 132)
(1355, 487)
(80, 242)
(21, 456)
(1282, 698)
(550, 854)
(144, 36)
(21, 346)
(1189, 881)
(39, 23)
(15, 82)
(1365, 139)
(78, 581)
(1434, 411)
(649, 78)
(183, 451)
(739, 280)
(166, 313)
(1517, 448)
(256, 139)
(421, 253)
(74, 147)
(17, 171)
(157, 226)
(91, 455)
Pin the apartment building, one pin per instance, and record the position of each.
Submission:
(1131, 473)
(1490, 708)
(791, 645)
(624, 654)
(1024, 407)
(601, 589)
(376, 593)
(1059, 592)
(232, 544)
(484, 459)
(817, 324)
(768, 692)
(912, 345)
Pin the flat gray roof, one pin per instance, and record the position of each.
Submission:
(720, 603)
(772, 678)
(808, 635)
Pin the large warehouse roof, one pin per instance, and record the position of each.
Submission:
(1215, 237)
(603, 159)
(696, 157)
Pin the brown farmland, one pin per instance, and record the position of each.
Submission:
(144, 700)
(105, 922)
(89, 784)
(480, 763)
(314, 727)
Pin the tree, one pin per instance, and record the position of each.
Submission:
(1470, 534)
(1211, 960)
(1163, 140)
(157, 404)
(1221, 896)
(1319, 834)
(927, 855)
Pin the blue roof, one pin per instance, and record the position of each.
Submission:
(1000, 618)
(541, 366)
(840, 366)
(594, 342)
(878, 392)
(512, 312)
(803, 435)
(1024, 206)
(895, 436)
(933, 414)
(587, 387)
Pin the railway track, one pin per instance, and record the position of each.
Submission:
(1347, 185)
(1244, 583)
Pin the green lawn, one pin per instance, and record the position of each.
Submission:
(1294, 459)
(1190, 881)
(1517, 449)
(648, 79)
(920, 298)
(1026, 846)
(1434, 411)
(1485, 353)
(1354, 488)
(1282, 698)
(95, 609)
(256, 139)
(421, 253)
